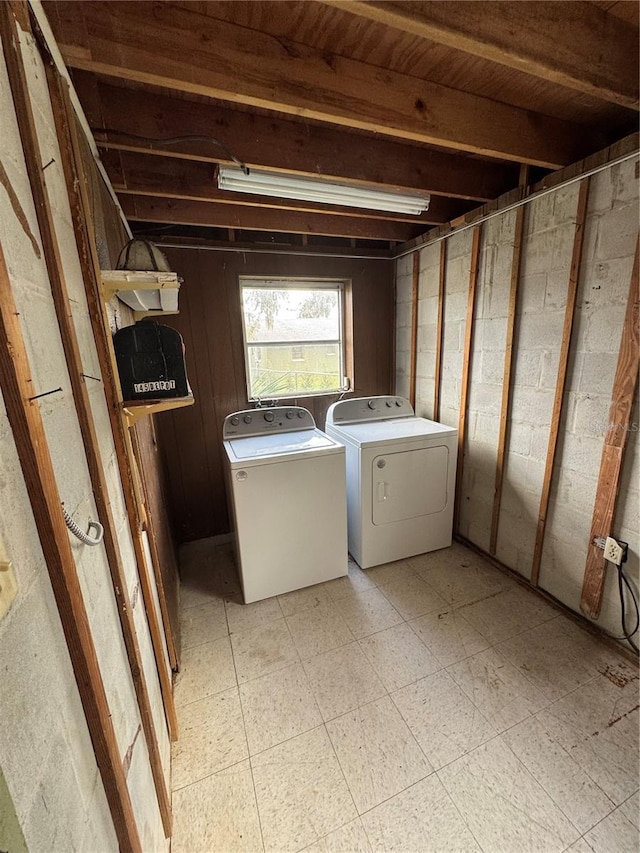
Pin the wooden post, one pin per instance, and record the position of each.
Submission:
(89, 436)
(624, 389)
(415, 296)
(437, 379)
(466, 369)
(82, 218)
(556, 415)
(507, 379)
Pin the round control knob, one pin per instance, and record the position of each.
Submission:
(269, 416)
(290, 415)
(247, 419)
(235, 420)
(398, 403)
(371, 404)
(301, 414)
(389, 404)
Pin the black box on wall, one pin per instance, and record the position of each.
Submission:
(150, 360)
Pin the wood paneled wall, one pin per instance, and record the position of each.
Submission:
(210, 323)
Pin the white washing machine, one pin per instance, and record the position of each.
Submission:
(287, 493)
(401, 473)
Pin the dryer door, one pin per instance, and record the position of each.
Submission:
(409, 484)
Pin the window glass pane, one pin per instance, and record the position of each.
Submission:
(281, 370)
(291, 314)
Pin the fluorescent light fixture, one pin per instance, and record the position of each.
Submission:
(324, 192)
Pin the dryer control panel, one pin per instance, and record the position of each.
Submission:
(369, 409)
(260, 421)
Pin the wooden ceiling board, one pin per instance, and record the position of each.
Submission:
(232, 63)
(306, 87)
(340, 32)
(283, 145)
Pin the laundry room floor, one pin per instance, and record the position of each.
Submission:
(431, 704)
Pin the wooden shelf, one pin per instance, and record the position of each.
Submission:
(136, 409)
(117, 282)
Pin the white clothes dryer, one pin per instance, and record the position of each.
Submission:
(287, 494)
(401, 472)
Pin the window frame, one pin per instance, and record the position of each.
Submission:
(333, 284)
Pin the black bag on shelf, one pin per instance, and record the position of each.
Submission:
(150, 360)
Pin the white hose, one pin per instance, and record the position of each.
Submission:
(82, 536)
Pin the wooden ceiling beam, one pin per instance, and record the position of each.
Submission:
(165, 177)
(216, 215)
(284, 145)
(576, 44)
(175, 48)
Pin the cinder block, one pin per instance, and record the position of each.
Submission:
(532, 405)
(459, 245)
(403, 339)
(486, 430)
(605, 282)
(526, 369)
(617, 233)
(575, 489)
(490, 334)
(490, 369)
(537, 253)
(591, 416)
(404, 288)
(604, 329)
(581, 453)
(403, 315)
(531, 291)
(427, 338)
(485, 398)
(520, 437)
(457, 275)
(541, 213)
(428, 311)
(540, 331)
(455, 307)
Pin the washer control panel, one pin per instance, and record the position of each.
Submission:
(369, 409)
(273, 419)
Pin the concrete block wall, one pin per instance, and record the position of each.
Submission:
(609, 244)
(45, 751)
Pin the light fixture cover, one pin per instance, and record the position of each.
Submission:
(315, 189)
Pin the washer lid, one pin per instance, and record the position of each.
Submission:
(271, 445)
(372, 433)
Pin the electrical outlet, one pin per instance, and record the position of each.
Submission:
(613, 552)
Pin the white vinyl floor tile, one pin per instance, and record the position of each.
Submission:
(301, 792)
(277, 707)
(341, 680)
(424, 706)
(262, 650)
(398, 656)
(444, 721)
(421, 818)
(212, 737)
(217, 813)
(503, 805)
(377, 752)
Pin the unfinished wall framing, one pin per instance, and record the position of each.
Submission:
(560, 370)
(55, 747)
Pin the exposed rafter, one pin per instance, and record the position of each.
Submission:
(214, 214)
(284, 145)
(164, 177)
(179, 49)
(574, 44)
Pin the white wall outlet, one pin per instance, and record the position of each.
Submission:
(613, 552)
(8, 586)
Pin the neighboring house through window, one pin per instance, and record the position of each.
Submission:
(293, 337)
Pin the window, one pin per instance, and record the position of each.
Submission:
(293, 337)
